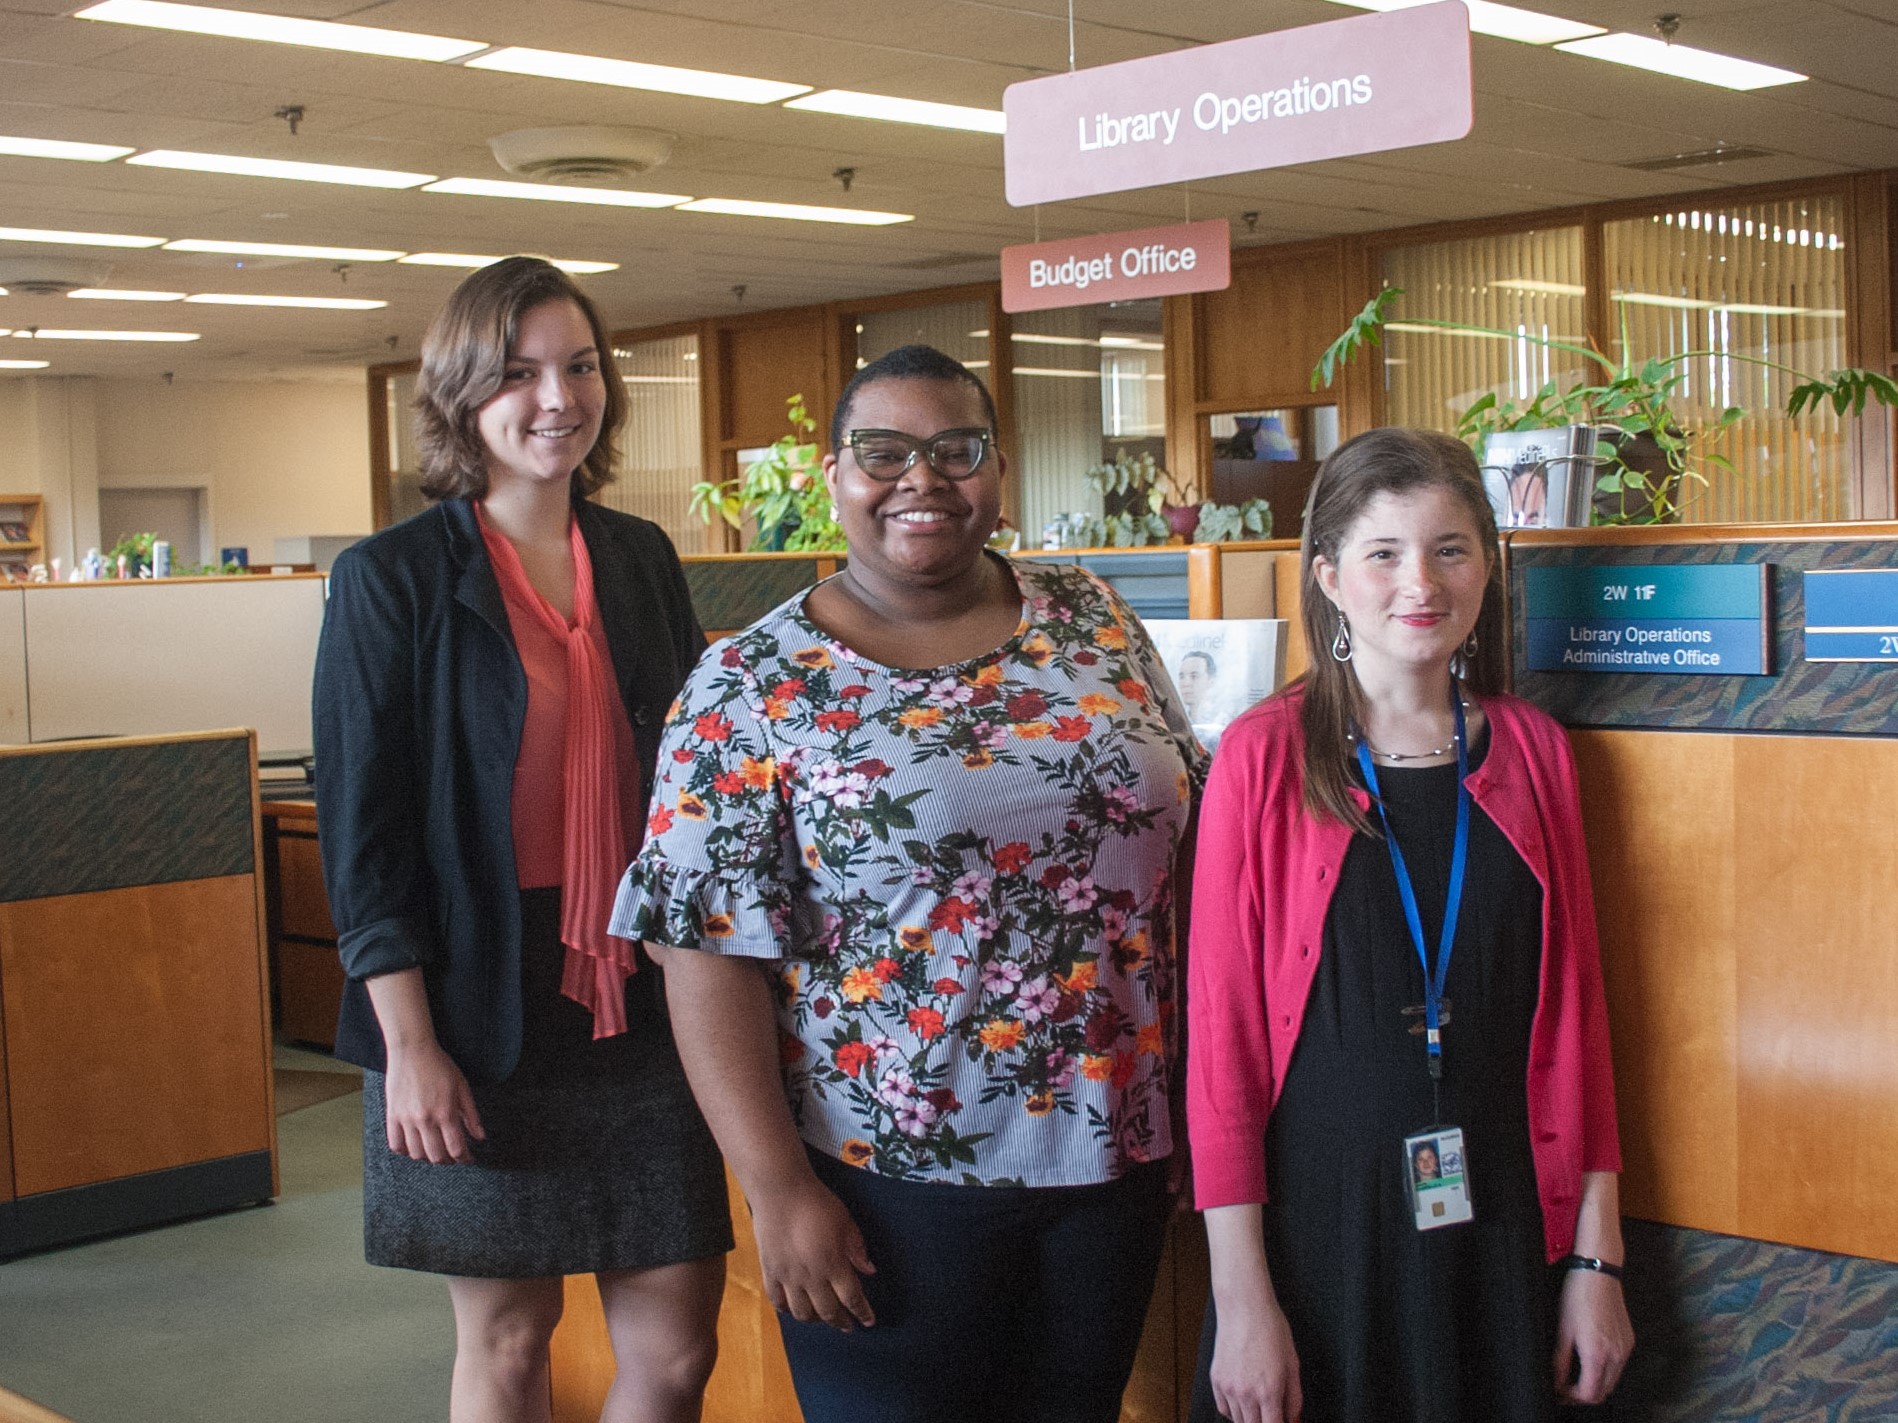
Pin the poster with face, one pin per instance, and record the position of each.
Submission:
(1220, 666)
(1540, 479)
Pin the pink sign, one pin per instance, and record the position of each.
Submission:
(1118, 266)
(1358, 85)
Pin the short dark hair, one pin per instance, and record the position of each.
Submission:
(916, 362)
(464, 360)
(1212, 667)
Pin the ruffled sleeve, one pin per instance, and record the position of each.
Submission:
(719, 870)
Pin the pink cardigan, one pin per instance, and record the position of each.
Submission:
(1263, 877)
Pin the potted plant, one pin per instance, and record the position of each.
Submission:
(1158, 508)
(784, 491)
(1652, 452)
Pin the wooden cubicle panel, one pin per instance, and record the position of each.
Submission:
(132, 987)
(13, 724)
(764, 360)
(1744, 887)
(1257, 341)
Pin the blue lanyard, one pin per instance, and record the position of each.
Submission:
(1453, 902)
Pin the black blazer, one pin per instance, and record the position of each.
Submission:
(419, 702)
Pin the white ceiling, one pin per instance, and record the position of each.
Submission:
(1551, 130)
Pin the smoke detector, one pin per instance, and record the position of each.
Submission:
(50, 276)
(581, 154)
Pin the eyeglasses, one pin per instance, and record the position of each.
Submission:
(886, 455)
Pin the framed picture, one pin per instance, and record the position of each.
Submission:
(1220, 666)
(14, 532)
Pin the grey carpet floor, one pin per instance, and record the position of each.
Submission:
(267, 1313)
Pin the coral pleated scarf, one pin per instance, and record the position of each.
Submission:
(593, 826)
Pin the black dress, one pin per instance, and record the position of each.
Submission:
(1394, 1325)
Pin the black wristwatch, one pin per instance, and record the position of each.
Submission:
(1590, 1262)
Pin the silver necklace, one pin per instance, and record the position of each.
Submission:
(1443, 750)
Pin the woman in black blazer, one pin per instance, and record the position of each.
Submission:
(490, 687)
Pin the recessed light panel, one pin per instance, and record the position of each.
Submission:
(550, 193)
(76, 239)
(852, 104)
(279, 168)
(44, 334)
(630, 74)
(1683, 62)
(468, 259)
(1503, 22)
(282, 249)
(312, 303)
(110, 294)
(23, 365)
(796, 212)
(279, 29)
(59, 148)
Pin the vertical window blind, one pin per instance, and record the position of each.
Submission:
(661, 454)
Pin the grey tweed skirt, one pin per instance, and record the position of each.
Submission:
(596, 1156)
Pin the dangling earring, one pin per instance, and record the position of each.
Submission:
(1341, 644)
(833, 513)
(1469, 646)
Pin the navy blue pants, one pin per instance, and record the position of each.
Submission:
(992, 1303)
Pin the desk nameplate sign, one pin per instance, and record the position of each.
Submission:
(1852, 615)
(1693, 619)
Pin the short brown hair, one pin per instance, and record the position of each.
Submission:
(1386, 461)
(464, 360)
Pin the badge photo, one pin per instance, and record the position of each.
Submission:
(1438, 1174)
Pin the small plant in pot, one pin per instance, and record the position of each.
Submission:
(784, 491)
(1652, 452)
(1157, 508)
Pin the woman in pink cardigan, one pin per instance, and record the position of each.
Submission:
(1400, 1098)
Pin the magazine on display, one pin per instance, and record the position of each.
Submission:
(1220, 666)
(1541, 479)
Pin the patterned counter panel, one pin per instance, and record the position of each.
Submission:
(1833, 697)
(108, 816)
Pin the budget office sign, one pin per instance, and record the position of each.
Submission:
(1364, 84)
(1118, 266)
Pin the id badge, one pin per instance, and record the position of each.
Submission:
(1439, 1177)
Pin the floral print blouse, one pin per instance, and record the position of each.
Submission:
(965, 874)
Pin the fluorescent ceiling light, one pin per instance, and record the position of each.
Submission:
(109, 294)
(1542, 288)
(1682, 62)
(282, 249)
(799, 212)
(629, 74)
(76, 239)
(1417, 329)
(1123, 343)
(466, 259)
(280, 29)
(552, 193)
(43, 334)
(1132, 343)
(279, 168)
(23, 365)
(59, 148)
(1081, 375)
(1827, 313)
(1681, 303)
(1503, 22)
(314, 303)
(852, 104)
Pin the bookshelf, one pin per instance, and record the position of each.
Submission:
(22, 534)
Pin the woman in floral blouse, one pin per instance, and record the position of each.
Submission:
(918, 827)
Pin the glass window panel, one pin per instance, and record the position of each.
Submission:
(1525, 282)
(1270, 455)
(401, 460)
(661, 446)
(1765, 280)
(956, 328)
(1090, 381)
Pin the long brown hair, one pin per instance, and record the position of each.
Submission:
(1386, 461)
(464, 360)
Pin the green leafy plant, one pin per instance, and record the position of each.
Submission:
(1227, 523)
(1161, 507)
(784, 491)
(1635, 400)
(135, 549)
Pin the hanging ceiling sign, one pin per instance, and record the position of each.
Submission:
(1118, 266)
(1359, 85)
